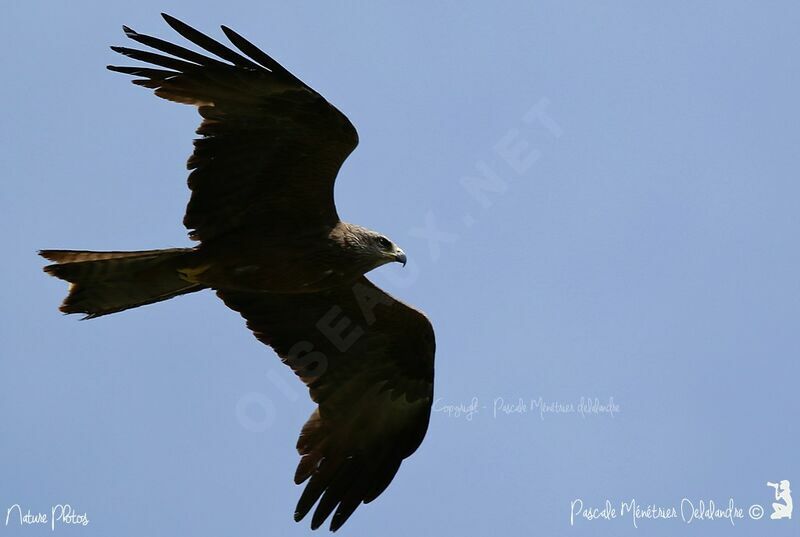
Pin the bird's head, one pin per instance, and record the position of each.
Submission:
(376, 248)
(386, 249)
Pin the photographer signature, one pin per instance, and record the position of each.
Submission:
(60, 514)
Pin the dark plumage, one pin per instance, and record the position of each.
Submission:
(274, 249)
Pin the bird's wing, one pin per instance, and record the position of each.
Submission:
(270, 146)
(368, 362)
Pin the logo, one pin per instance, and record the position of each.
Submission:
(782, 494)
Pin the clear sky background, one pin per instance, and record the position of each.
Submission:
(643, 247)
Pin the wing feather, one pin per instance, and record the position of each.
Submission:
(270, 146)
(374, 393)
(171, 48)
(211, 45)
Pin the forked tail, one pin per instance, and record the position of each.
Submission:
(108, 282)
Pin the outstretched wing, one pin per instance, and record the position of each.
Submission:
(271, 146)
(368, 362)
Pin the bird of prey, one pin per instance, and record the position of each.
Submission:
(272, 247)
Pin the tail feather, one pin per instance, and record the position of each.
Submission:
(108, 282)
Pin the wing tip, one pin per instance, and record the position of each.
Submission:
(175, 23)
(340, 517)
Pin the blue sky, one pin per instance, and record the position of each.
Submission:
(635, 240)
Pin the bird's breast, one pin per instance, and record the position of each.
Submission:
(276, 268)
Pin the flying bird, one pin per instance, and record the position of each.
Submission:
(272, 247)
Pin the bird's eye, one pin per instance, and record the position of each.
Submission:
(384, 242)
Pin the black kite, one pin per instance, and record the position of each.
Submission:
(273, 248)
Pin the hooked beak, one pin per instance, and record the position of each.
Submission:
(400, 256)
